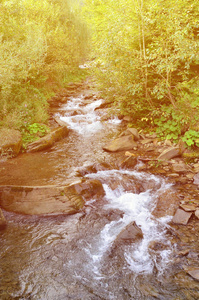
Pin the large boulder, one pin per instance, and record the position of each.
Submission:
(40, 200)
(48, 140)
(122, 143)
(10, 142)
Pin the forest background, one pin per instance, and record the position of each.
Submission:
(143, 53)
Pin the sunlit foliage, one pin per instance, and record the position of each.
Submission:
(147, 56)
(41, 43)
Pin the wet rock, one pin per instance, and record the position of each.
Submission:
(39, 200)
(192, 271)
(168, 143)
(170, 153)
(146, 141)
(190, 176)
(128, 163)
(181, 217)
(173, 175)
(188, 207)
(90, 188)
(130, 234)
(180, 168)
(60, 122)
(2, 220)
(196, 179)
(156, 246)
(183, 252)
(132, 185)
(10, 142)
(113, 215)
(167, 203)
(48, 140)
(197, 213)
(196, 168)
(103, 105)
(134, 132)
(127, 118)
(121, 144)
(93, 168)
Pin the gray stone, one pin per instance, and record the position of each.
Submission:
(48, 140)
(181, 217)
(169, 153)
(10, 142)
(121, 144)
(134, 132)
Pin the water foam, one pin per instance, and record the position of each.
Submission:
(136, 207)
(85, 121)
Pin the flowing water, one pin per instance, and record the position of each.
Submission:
(72, 257)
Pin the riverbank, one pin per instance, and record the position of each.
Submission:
(164, 259)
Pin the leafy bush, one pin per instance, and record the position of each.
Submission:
(40, 45)
(33, 132)
(149, 56)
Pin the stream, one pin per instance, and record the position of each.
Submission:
(75, 257)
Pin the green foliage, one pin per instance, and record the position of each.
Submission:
(147, 54)
(31, 133)
(174, 124)
(191, 137)
(41, 43)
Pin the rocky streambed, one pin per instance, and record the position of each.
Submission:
(133, 232)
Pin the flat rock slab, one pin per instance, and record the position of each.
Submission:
(48, 140)
(181, 217)
(188, 207)
(167, 203)
(192, 271)
(40, 199)
(10, 142)
(123, 143)
(169, 153)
